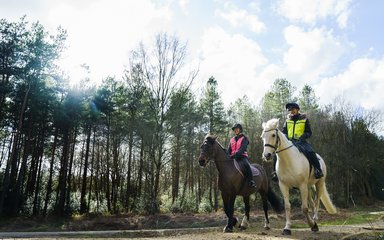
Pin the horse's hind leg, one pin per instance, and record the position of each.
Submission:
(314, 204)
(265, 208)
(247, 207)
(304, 207)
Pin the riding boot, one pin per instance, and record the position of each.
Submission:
(248, 174)
(316, 164)
(274, 174)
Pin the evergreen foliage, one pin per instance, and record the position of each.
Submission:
(132, 143)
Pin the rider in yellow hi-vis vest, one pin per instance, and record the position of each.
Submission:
(297, 129)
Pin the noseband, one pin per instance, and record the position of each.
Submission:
(277, 142)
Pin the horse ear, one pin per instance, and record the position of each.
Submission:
(263, 125)
(275, 122)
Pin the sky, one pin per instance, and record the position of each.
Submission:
(334, 46)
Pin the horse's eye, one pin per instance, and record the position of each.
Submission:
(273, 135)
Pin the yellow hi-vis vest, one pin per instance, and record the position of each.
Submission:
(295, 129)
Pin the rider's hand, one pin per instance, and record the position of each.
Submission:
(237, 155)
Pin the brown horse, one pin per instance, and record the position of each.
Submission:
(232, 183)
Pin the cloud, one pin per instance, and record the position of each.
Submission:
(102, 34)
(311, 54)
(311, 11)
(184, 5)
(362, 83)
(234, 61)
(241, 18)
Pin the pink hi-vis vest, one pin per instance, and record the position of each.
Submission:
(235, 146)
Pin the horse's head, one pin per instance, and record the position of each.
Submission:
(206, 150)
(270, 138)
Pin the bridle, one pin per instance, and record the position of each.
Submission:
(221, 146)
(277, 143)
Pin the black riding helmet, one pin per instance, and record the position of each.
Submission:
(237, 125)
(289, 106)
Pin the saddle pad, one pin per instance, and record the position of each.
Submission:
(255, 171)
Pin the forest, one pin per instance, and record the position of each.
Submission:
(131, 144)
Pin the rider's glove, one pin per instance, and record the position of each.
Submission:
(237, 155)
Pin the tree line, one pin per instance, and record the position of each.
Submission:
(132, 143)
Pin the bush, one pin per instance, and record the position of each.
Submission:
(188, 204)
(205, 206)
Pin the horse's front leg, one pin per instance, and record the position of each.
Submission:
(264, 199)
(287, 205)
(304, 207)
(229, 202)
(247, 207)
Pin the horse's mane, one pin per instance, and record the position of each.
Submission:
(271, 124)
(213, 138)
(274, 124)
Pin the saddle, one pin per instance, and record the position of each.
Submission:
(240, 168)
(306, 150)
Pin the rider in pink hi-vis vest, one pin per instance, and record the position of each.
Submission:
(236, 145)
(237, 149)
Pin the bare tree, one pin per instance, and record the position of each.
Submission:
(161, 63)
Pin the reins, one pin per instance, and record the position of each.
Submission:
(226, 160)
(277, 142)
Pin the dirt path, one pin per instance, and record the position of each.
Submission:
(191, 226)
(327, 233)
(364, 231)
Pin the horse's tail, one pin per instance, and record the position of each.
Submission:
(324, 197)
(274, 201)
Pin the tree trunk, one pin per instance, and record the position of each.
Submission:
(36, 200)
(107, 170)
(60, 207)
(11, 168)
(138, 189)
(15, 196)
(83, 204)
(69, 174)
(49, 184)
(129, 170)
(92, 168)
(176, 171)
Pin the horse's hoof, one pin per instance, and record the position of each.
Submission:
(227, 230)
(315, 228)
(242, 228)
(267, 228)
(286, 232)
